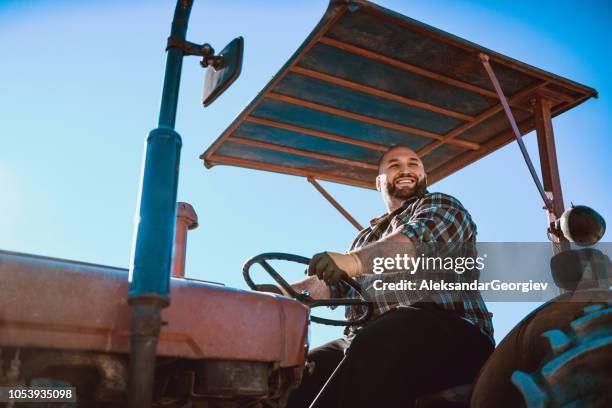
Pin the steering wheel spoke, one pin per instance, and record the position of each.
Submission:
(279, 279)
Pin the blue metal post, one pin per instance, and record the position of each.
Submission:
(152, 249)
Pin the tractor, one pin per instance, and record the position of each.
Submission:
(365, 79)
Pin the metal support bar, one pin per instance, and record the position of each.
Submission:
(316, 133)
(152, 248)
(502, 98)
(333, 202)
(550, 168)
(478, 120)
(235, 161)
(380, 93)
(368, 119)
(548, 154)
(301, 152)
(469, 47)
(189, 48)
(405, 66)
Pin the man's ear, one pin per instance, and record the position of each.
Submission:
(378, 182)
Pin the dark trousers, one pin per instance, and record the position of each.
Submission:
(394, 359)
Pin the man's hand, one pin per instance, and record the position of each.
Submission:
(330, 267)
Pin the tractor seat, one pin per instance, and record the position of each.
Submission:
(455, 397)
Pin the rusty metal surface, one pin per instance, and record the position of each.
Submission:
(61, 304)
(367, 78)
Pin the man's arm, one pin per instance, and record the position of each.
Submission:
(396, 243)
(330, 267)
(317, 288)
(440, 219)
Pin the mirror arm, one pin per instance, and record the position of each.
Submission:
(206, 51)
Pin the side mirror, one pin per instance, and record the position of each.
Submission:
(222, 70)
(582, 225)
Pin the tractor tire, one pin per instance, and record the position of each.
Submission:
(578, 370)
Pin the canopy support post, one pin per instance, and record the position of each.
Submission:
(548, 162)
(548, 154)
(333, 202)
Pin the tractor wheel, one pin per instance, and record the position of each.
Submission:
(578, 371)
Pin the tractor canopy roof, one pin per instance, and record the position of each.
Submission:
(367, 78)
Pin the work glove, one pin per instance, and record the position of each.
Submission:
(330, 267)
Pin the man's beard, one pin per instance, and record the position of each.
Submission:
(406, 193)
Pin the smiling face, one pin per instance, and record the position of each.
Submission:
(400, 176)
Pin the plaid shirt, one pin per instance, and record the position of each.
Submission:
(433, 220)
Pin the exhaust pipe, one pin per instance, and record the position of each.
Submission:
(186, 219)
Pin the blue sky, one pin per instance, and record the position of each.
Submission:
(80, 85)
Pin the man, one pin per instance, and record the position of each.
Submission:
(416, 343)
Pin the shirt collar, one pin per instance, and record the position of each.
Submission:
(375, 221)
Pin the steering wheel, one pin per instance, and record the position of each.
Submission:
(303, 297)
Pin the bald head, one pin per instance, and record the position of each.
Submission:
(393, 153)
(401, 175)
